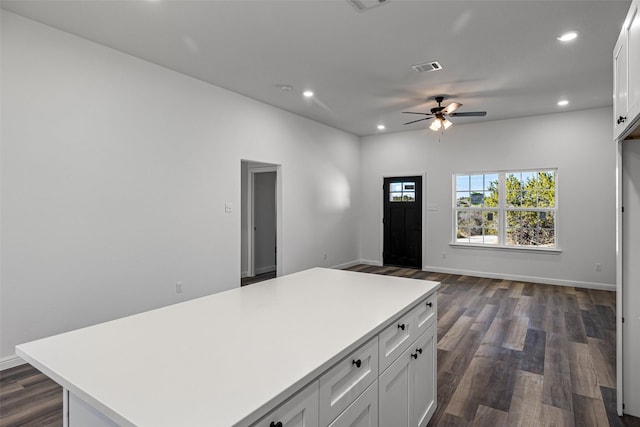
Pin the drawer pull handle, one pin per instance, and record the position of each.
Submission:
(419, 350)
(401, 326)
(414, 355)
(278, 424)
(429, 304)
(357, 363)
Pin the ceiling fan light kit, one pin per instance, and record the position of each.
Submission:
(441, 114)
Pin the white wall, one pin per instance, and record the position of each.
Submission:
(577, 143)
(115, 173)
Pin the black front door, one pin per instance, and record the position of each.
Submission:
(403, 221)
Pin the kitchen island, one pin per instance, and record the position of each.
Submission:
(319, 347)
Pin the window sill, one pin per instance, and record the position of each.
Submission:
(505, 248)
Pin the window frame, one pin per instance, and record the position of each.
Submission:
(502, 210)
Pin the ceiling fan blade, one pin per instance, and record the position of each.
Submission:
(412, 112)
(451, 108)
(469, 114)
(419, 120)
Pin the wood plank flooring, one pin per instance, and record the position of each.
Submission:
(522, 354)
(29, 398)
(509, 354)
(257, 278)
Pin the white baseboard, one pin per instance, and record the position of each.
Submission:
(10, 362)
(266, 269)
(346, 265)
(370, 262)
(356, 262)
(532, 279)
(243, 274)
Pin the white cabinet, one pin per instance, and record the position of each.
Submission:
(626, 74)
(425, 314)
(299, 411)
(620, 83)
(633, 47)
(631, 277)
(626, 109)
(323, 376)
(343, 383)
(81, 414)
(407, 395)
(395, 339)
(394, 385)
(363, 412)
(423, 399)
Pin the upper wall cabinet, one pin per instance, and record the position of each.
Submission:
(626, 75)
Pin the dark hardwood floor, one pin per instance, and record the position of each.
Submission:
(509, 354)
(522, 354)
(257, 278)
(29, 398)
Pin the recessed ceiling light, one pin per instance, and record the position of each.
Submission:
(307, 94)
(568, 36)
(381, 127)
(563, 103)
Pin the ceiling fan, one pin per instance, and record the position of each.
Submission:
(441, 114)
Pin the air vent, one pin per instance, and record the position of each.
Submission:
(364, 5)
(428, 66)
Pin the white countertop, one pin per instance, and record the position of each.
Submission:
(226, 358)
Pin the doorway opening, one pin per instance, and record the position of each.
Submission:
(260, 222)
(402, 221)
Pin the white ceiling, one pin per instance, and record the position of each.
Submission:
(498, 56)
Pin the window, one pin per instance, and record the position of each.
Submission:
(511, 209)
(402, 191)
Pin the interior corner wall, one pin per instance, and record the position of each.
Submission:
(115, 175)
(578, 143)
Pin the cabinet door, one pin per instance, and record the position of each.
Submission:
(299, 411)
(424, 378)
(425, 314)
(394, 385)
(395, 339)
(620, 83)
(363, 412)
(633, 61)
(343, 383)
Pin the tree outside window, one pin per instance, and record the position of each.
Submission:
(516, 208)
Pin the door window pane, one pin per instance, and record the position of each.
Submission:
(402, 191)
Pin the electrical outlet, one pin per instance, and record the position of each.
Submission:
(178, 287)
(325, 257)
(444, 255)
(598, 266)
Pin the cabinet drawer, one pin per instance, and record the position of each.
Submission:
(425, 314)
(299, 411)
(395, 339)
(343, 383)
(363, 412)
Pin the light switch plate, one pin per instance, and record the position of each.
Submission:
(228, 207)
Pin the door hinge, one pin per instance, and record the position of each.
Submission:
(623, 320)
(623, 209)
(623, 406)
